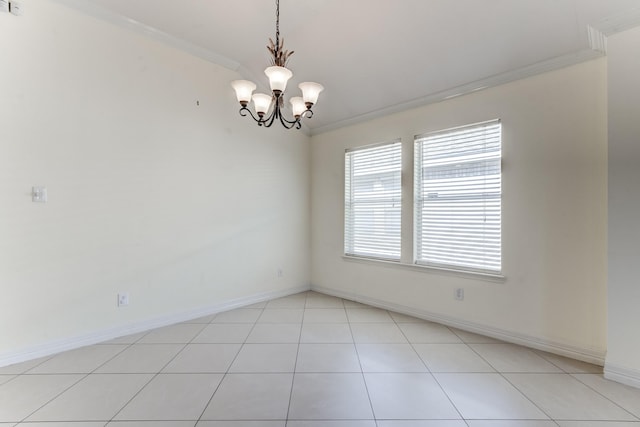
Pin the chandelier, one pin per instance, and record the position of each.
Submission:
(278, 76)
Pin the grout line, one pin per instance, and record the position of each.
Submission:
(295, 364)
(364, 380)
(513, 385)
(230, 364)
(429, 370)
(637, 418)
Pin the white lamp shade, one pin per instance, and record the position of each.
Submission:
(278, 77)
(297, 106)
(261, 102)
(244, 89)
(310, 91)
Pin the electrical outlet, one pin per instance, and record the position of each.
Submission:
(280, 272)
(16, 7)
(459, 295)
(123, 299)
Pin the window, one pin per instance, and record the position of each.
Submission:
(458, 198)
(372, 201)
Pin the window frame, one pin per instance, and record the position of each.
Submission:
(349, 227)
(419, 200)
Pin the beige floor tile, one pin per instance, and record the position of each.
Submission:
(315, 300)
(239, 315)
(368, 315)
(141, 359)
(181, 333)
(95, 398)
(281, 315)
(341, 423)
(302, 357)
(172, 397)
(570, 366)
(389, 358)
(422, 423)
(325, 315)
(292, 301)
(278, 333)
(625, 396)
(377, 333)
(511, 423)
(328, 333)
(27, 393)
(327, 358)
(408, 396)
(563, 397)
(265, 358)
(251, 397)
(82, 360)
(62, 424)
(329, 396)
(452, 358)
(487, 396)
(241, 424)
(428, 332)
(205, 358)
(513, 358)
(6, 378)
(149, 424)
(597, 424)
(224, 333)
(20, 368)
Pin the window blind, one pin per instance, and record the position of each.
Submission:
(458, 198)
(373, 201)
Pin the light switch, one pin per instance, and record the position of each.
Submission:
(39, 194)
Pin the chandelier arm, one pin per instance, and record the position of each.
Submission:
(271, 118)
(290, 124)
(244, 111)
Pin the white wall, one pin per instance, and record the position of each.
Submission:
(554, 215)
(185, 207)
(623, 357)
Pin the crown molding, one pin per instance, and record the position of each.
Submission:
(467, 88)
(98, 12)
(621, 22)
(597, 37)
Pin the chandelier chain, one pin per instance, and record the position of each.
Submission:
(277, 23)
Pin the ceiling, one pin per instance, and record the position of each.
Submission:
(377, 56)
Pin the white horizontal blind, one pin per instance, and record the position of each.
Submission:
(372, 200)
(458, 198)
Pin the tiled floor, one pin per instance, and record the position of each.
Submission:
(311, 360)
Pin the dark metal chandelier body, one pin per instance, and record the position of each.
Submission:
(278, 76)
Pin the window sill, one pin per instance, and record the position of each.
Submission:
(495, 278)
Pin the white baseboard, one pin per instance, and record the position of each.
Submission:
(630, 377)
(583, 354)
(58, 346)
